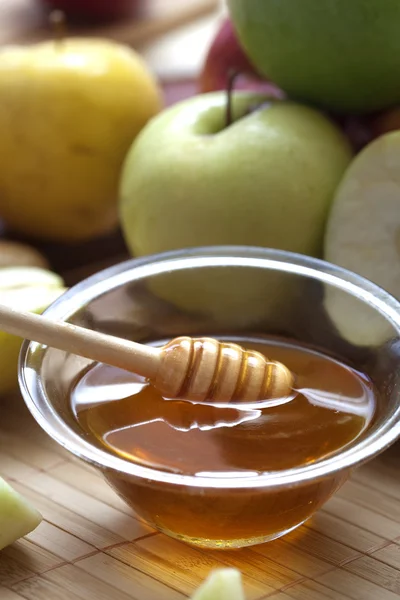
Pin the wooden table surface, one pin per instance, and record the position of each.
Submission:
(90, 545)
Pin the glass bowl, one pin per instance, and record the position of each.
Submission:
(224, 291)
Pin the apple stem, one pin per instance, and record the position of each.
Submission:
(232, 76)
(58, 25)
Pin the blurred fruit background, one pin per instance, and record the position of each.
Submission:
(180, 48)
(68, 114)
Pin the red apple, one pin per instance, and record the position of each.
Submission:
(386, 121)
(363, 129)
(95, 10)
(226, 55)
(357, 128)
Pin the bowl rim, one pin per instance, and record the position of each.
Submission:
(67, 304)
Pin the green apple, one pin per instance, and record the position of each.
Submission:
(268, 179)
(265, 180)
(27, 288)
(363, 235)
(17, 516)
(343, 55)
(221, 584)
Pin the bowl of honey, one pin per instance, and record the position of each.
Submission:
(226, 475)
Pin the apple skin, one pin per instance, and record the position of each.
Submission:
(226, 55)
(386, 122)
(266, 180)
(357, 128)
(342, 55)
(69, 111)
(364, 129)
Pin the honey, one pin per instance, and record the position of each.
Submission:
(332, 405)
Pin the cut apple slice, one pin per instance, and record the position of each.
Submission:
(23, 288)
(17, 278)
(363, 235)
(221, 584)
(17, 516)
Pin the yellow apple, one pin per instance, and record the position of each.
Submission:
(26, 288)
(340, 55)
(69, 110)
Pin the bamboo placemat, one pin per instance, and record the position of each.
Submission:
(91, 545)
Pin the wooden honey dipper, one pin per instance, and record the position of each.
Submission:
(199, 370)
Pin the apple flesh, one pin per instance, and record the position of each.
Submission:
(266, 180)
(17, 516)
(225, 56)
(363, 235)
(221, 584)
(342, 55)
(30, 289)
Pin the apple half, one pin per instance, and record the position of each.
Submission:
(17, 516)
(221, 584)
(363, 235)
(23, 288)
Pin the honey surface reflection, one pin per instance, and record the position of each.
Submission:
(128, 417)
